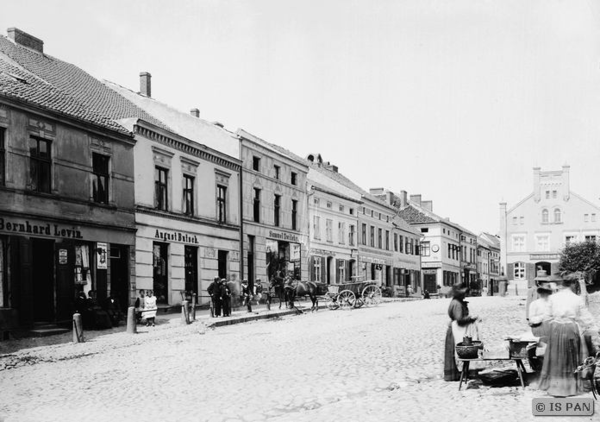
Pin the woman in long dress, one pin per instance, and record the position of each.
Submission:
(460, 321)
(566, 350)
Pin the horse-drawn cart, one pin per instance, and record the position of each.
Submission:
(354, 295)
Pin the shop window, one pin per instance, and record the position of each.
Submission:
(519, 271)
(294, 214)
(188, 195)
(256, 163)
(40, 165)
(160, 279)
(221, 204)
(160, 188)
(4, 287)
(2, 158)
(276, 210)
(191, 269)
(256, 204)
(83, 275)
(100, 178)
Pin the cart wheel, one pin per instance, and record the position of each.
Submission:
(359, 302)
(346, 299)
(372, 295)
(333, 304)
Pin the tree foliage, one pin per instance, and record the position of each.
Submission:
(581, 256)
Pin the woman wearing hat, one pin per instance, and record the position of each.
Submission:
(460, 324)
(566, 348)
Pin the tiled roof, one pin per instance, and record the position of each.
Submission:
(19, 84)
(75, 83)
(184, 124)
(414, 216)
(280, 150)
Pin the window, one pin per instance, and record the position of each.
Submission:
(593, 217)
(188, 195)
(294, 214)
(351, 211)
(557, 215)
(40, 164)
(364, 210)
(401, 243)
(221, 204)
(341, 232)
(544, 216)
(329, 204)
(380, 216)
(521, 220)
(569, 239)
(341, 208)
(329, 230)
(294, 178)
(395, 242)
(387, 240)
(160, 189)
(425, 230)
(256, 204)
(2, 158)
(341, 270)
(547, 194)
(276, 210)
(590, 238)
(317, 268)
(277, 171)
(518, 243)
(100, 178)
(586, 218)
(515, 221)
(256, 163)
(351, 235)
(372, 213)
(519, 271)
(380, 238)
(317, 202)
(364, 234)
(542, 243)
(372, 244)
(425, 249)
(554, 194)
(407, 246)
(317, 227)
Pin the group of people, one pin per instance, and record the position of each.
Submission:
(567, 333)
(566, 329)
(98, 315)
(145, 307)
(221, 294)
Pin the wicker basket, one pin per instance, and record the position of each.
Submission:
(469, 351)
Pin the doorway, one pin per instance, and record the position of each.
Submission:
(329, 266)
(161, 272)
(119, 280)
(191, 269)
(42, 252)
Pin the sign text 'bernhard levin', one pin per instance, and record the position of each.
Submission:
(176, 237)
(42, 229)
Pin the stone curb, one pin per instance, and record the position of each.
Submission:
(221, 322)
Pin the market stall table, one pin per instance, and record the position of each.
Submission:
(464, 375)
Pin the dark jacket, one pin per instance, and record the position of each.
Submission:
(213, 289)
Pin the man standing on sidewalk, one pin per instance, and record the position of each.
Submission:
(214, 290)
(247, 295)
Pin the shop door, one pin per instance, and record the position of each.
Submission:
(329, 265)
(191, 269)
(43, 280)
(430, 282)
(119, 280)
(250, 259)
(161, 272)
(222, 263)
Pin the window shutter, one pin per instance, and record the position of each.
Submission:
(530, 274)
(510, 272)
(324, 270)
(311, 262)
(348, 275)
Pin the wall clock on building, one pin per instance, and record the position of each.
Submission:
(435, 248)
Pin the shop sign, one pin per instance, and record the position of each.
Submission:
(429, 271)
(549, 256)
(62, 256)
(321, 252)
(284, 236)
(101, 253)
(26, 227)
(176, 236)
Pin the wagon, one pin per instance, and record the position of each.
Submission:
(354, 295)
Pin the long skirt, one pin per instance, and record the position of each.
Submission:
(451, 372)
(561, 360)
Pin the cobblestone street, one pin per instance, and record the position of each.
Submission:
(371, 364)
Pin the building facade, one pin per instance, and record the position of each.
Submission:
(66, 194)
(534, 231)
(275, 215)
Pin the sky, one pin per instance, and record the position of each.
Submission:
(456, 100)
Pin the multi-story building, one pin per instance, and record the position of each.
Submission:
(483, 263)
(534, 231)
(468, 258)
(66, 192)
(492, 243)
(274, 210)
(333, 222)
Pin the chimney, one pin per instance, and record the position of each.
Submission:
(26, 40)
(403, 200)
(195, 112)
(416, 199)
(428, 205)
(145, 84)
(536, 184)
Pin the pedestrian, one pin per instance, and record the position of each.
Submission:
(150, 308)
(246, 295)
(225, 294)
(570, 319)
(461, 325)
(532, 293)
(258, 291)
(214, 290)
(426, 294)
(539, 321)
(139, 306)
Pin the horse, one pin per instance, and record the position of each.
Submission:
(277, 289)
(311, 289)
